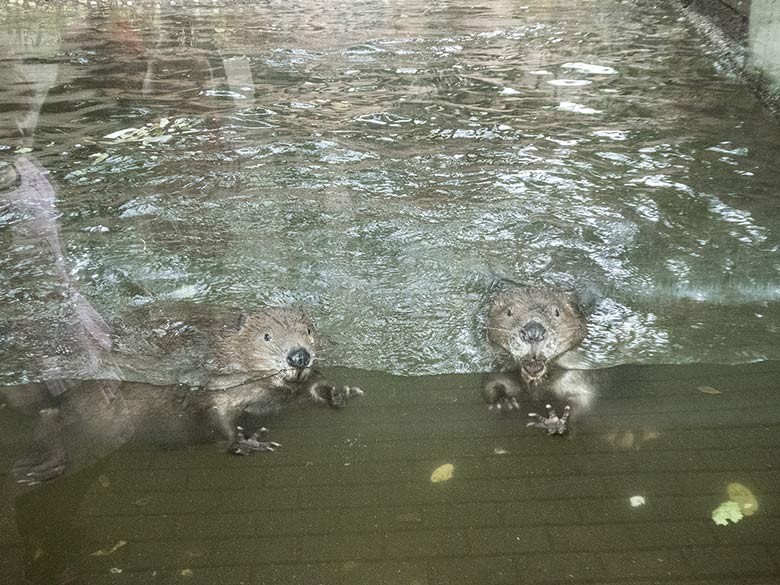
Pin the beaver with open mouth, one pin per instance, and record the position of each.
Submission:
(530, 328)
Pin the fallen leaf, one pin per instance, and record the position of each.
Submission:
(709, 390)
(636, 501)
(443, 473)
(727, 512)
(740, 494)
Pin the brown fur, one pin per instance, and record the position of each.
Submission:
(557, 316)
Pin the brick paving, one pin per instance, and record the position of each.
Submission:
(348, 498)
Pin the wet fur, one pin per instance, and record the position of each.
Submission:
(511, 308)
(229, 363)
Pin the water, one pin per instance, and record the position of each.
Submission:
(381, 163)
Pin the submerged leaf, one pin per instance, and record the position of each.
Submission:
(741, 495)
(443, 473)
(727, 512)
(709, 390)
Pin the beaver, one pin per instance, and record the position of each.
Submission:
(217, 366)
(530, 328)
(225, 361)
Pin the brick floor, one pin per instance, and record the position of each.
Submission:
(348, 498)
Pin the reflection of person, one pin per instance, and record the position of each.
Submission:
(35, 243)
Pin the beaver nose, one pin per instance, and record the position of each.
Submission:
(533, 332)
(298, 357)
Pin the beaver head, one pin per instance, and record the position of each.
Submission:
(278, 342)
(534, 325)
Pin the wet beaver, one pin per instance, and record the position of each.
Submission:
(530, 328)
(228, 360)
(216, 365)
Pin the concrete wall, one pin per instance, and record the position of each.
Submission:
(748, 31)
(764, 38)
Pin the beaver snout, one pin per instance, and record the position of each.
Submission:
(533, 332)
(299, 357)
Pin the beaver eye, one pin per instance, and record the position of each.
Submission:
(267, 337)
(509, 312)
(308, 331)
(556, 312)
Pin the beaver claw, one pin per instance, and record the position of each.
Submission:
(554, 424)
(504, 403)
(337, 397)
(244, 445)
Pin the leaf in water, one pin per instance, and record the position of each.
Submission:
(112, 550)
(742, 496)
(23, 150)
(99, 157)
(186, 572)
(104, 481)
(727, 512)
(637, 501)
(709, 390)
(443, 473)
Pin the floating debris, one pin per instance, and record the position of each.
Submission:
(160, 131)
(708, 390)
(443, 473)
(637, 501)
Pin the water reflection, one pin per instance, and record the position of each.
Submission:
(382, 162)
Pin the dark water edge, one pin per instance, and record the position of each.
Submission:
(349, 497)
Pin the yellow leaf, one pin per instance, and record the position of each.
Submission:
(443, 473)
(738, 493)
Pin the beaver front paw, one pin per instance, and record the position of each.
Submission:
(40, 467)
(336, 396)
(246, 445)
(552, 423)
(498, 397)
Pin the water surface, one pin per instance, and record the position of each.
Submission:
(381, 162)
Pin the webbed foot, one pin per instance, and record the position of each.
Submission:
(552, 423)
(246, 445)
